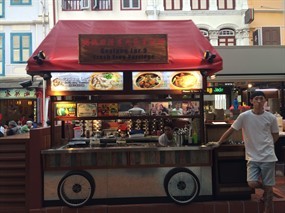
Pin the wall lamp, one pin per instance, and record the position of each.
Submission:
(47, 76)
(39, 58)
(209, 57)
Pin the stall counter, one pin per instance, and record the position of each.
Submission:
(127, 173)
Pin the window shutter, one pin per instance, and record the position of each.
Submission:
(271, 36)
(85, 4)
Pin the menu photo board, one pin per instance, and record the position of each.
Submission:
(86, 109)
(67, 109)
(180, 80)
(108, 109)
(88, 81)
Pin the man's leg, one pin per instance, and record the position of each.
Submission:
(268, 198)
(255, 184)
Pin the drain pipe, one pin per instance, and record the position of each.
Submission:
(53, 12)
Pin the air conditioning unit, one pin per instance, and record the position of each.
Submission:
(257, 37)
(84, 4)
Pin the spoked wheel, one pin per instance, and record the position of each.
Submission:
(181, 185)
(76, 188)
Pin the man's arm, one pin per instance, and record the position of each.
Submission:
(223, 138)
(226, 135)
(275, 136)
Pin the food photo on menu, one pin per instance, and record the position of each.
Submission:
(65, 109)
(86, 109)
(104, 81)
(148, 80)
(108, 109)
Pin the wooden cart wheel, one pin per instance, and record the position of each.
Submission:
(76, 188)
(181, 185)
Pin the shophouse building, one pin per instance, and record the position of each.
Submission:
(230, 25)
(23, 25)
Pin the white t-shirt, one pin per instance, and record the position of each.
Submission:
(137, 109)
(179, 111)
(256, 130)
(164, 141)
(2, 130)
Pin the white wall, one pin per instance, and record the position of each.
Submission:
(23, 19)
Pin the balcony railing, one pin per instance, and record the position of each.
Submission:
(77, 5)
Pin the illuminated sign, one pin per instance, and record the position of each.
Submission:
(65, 109)
(218, 90)
(215, 90)
(103, 81)
(182, 80)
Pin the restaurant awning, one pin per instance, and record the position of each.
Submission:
(186, 47)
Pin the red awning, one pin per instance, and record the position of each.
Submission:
(186, 46)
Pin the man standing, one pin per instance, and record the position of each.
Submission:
(260, 132)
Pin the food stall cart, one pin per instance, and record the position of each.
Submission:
(94, 71)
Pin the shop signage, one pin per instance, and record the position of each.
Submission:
(219, 90)
(118, 48)
(18, 93)
(103, 81)
(249, 16)
(182, 80)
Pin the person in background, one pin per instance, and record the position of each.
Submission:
(178, 110)
(27, 127)
(23, 119)
(13, 128)
(31, 118)
(167, 138)
(19, 122)
(48, 122)
(190, 110)
(235, 104)
(154, 109)
(2, 130)
(136, 109)
(260, 132)
(5, 128)
(163, 110)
